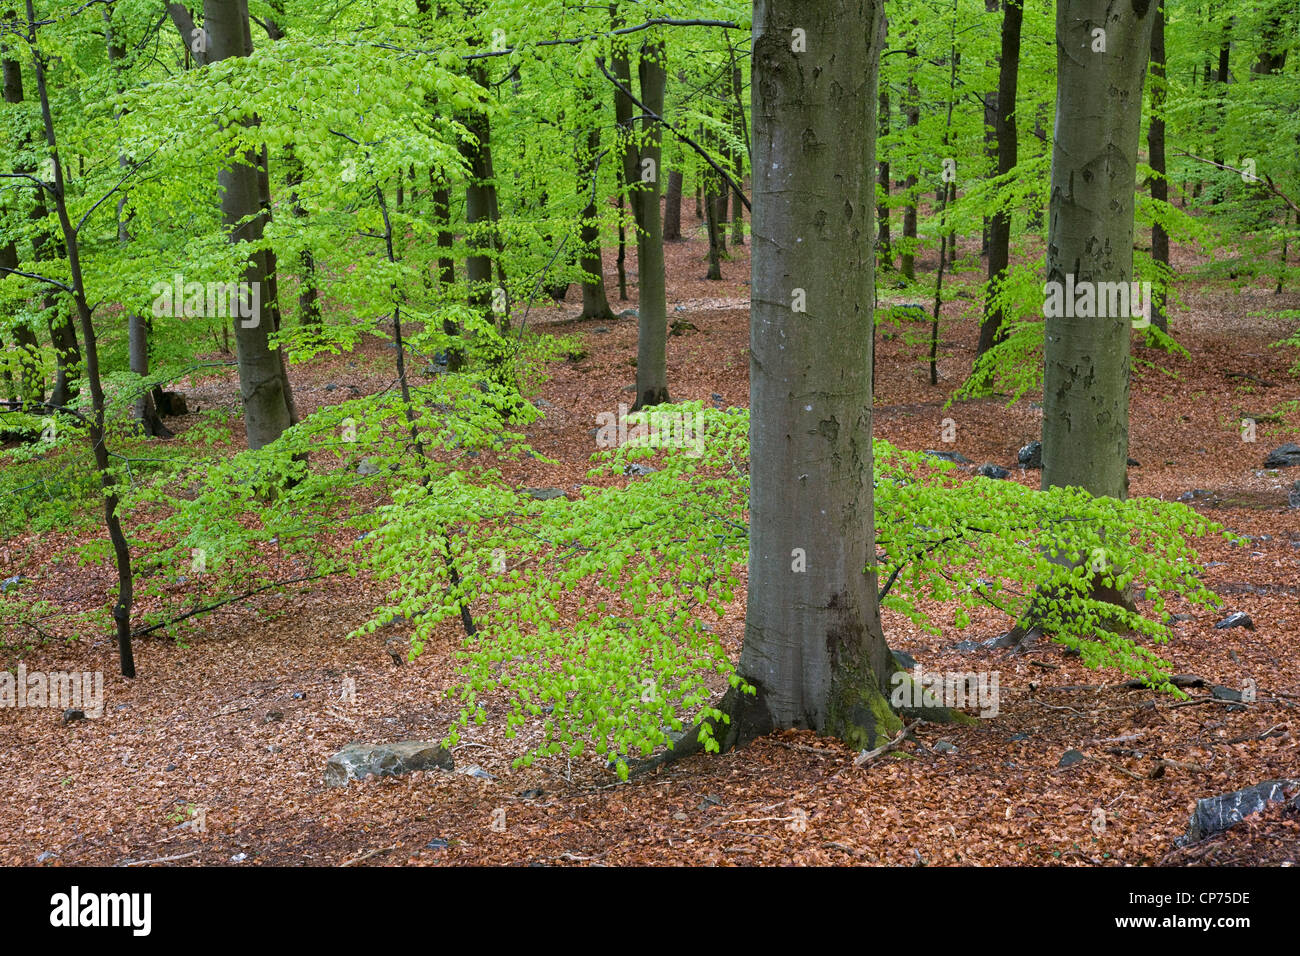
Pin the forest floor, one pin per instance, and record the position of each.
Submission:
(239, 715)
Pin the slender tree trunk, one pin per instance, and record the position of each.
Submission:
(30, 386)
(814, 648)
(1094, 167)
(1004, 121)
(108, 483)
(595, 304)
(1156, 158)
(884, 244)
(481, 210)
(673, 206)
(262, 382)
(912, 111)
(652, 293)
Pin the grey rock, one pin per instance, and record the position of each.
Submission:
(956, 457)
(1031, 455)
(544, 494)
(601, 329)
(8, 584)
(542, 403)
(437, 843)
(367, 467)
(71, 716)
(628, 314)
(356, 761)
(1236, 619)
(1134, 463)
(1016, 737)
(945, 747)
(1216, 814)
(638, 470)
(966, 646)
(1293, 496)
(990, 470)
(532, 793)
(1070, 758)
(1220, 692)
(475, 771)
(1283, 456)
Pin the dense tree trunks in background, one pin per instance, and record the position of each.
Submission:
(813, 646)
(626, 150)
(262, 383)
(673, 206)
(1156, 159)
(652, 293)
(1006, 138)
(1090, 237)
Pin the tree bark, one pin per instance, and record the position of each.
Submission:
(1090, 237)
(652, 293)
(262, 383)
(595, 304)
(814, 648)
(673, 206)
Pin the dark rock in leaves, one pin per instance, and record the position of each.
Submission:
(628, 314)
(1293, 496)
(69, 716)
(437, 843)
(1236, 619)
(1016, 737)
(532, 793)
(330, 387)
(709, 801)
(1070, 758)
(966, 646)
(544, 494)
(1006, 639)
(681, 327)
(717, 398)
(638, 470)
(1283, 456)
(990, 470)
(904, 660)
(169, 768)
(1216, 814)
(1031, 455)
(956, 457)
(1134, 463)
(601, 329)
(945, 747)
(542, 403)
(1220, 692)
(356, 761)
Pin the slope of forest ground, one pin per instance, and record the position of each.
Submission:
(239, 715)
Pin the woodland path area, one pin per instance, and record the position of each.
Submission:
(239, 714)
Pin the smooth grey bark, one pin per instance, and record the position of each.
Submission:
(1007, 145)
(737, 207)
(262, 383)
(1090, 236)
(884, 243)
(652, 292)
(814, 647)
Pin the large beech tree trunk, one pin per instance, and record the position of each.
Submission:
(1090, 236)
(263, 387)
(652, 293)
(1156, 158)
(813, 647)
